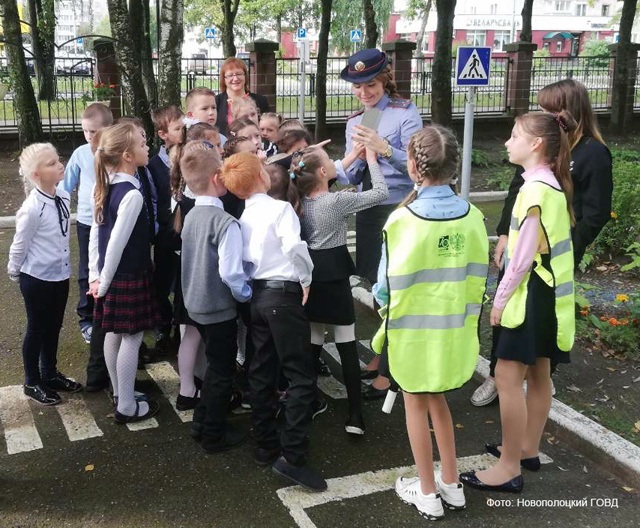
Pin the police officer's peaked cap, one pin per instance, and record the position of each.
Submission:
(364, 66)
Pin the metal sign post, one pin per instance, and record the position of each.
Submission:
(472, 70)
(303, 53)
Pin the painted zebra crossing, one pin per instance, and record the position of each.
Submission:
(21, 433)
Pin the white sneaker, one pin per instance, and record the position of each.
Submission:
(452, 495)
(429, 506)
(485, 393)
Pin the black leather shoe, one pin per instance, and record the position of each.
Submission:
(355, 425)
(368, 374)
(301, 475)
(532, 464)
(514, 485)
(154, 407)
(42, 394)
(265, 457)
(185, 403)
(61, 383)
(371, 393)
(232, 438)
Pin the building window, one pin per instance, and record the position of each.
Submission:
(474, 10)
(500, 39)
(476, 38)
(605, 10)
(559, 46)
(562, 5)
(581, 9)
(494, 9)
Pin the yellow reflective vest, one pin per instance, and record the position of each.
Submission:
(436, 279)
(556, 226)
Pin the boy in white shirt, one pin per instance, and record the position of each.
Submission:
(278, 261)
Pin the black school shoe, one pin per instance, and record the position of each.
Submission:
(265, 457)
(185, 403)
(302, 475)
(532, 464)
(61, 383)
(514, 485)
(42, 394)
(154, 407)
(232, 438)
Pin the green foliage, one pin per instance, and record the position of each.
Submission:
(501, 178)
(587, 260)
(597, 52)
(479, 158)
(632, 251)
(457, 44)
(348, 15)
(624, 227)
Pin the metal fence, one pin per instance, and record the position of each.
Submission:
(74, 87)
(491, 99)
(636, 99)
(596, 73)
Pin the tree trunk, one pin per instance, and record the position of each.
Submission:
(42, 20)
(370, 27)
(441, 76)
(321, 70)
(279, 28)
(624, 54)
(229, 12)
(140, 18)
(29, 125)
(170, 52)
(423, 28)
(527, 13)
(128, 58)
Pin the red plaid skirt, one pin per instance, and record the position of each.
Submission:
(129, 306)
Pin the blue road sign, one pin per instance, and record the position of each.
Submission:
(356, 35)
(473, 65)
(79, 41)
(210, 33)
(301, 33)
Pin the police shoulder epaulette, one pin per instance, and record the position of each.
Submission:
(396, 102)
(356, 114)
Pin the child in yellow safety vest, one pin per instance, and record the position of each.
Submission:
(534, 303)
(431, 282)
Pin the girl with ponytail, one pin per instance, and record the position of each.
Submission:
(120, 270)
(534, 303)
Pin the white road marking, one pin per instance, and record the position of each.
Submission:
(332, 387)
(20, 431)
(168, 380)
(296, 499)
(332, 350)
(77, 419)
(151, 423)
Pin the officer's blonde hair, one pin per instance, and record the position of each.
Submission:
(437, 157)
(386, 78)
(30, 159)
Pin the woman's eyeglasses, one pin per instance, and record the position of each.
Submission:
(229, 76)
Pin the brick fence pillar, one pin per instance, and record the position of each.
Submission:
(400, 53)
(519, 89)
(262, 74)
(632, 72)
(107, 72)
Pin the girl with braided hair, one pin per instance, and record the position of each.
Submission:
(431, 283)
(324, 228)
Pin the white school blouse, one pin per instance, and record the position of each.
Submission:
(40, 247)
(272, 245)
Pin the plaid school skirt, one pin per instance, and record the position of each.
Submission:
(129, 306)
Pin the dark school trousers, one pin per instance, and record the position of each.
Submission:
(164, 274)
(281, 337)
(97, 373)
(85, 302)
(220, 341)
(45, 303)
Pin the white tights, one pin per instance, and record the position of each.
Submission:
(191, 359)
(341, 333)
(121, 357)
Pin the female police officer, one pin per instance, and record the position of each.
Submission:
(373, 85)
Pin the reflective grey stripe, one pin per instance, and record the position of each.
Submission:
(400, 282)
(563, 289)
(561, 248)
(433, 322)
(515, 225)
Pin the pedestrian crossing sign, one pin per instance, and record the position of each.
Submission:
(210, 33)
(472, 66)
(356, 35)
